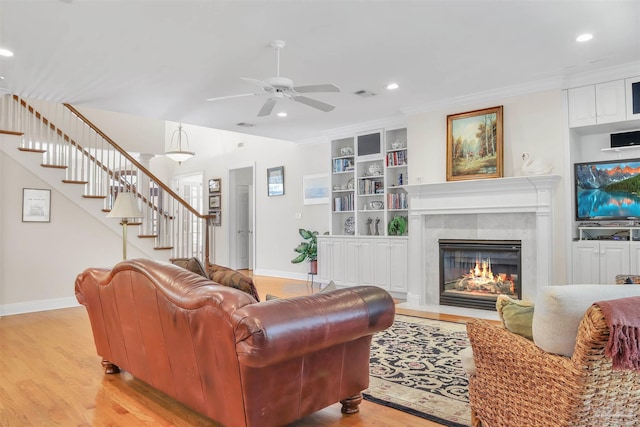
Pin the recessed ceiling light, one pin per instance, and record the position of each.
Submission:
(282, 114)
(1, 77)
(392, 86)
(584, 37)
(5, 52)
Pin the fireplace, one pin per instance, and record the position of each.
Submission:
(474, 272)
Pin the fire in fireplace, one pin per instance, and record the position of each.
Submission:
(474, 272)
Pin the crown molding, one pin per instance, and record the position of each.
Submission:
(487, 96)
(622, 71)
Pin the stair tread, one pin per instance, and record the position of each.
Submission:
(162, 248)
(93, 196)
(147, 236)
(70, 181)
(32, 150)
(11, 132)
(54, 166)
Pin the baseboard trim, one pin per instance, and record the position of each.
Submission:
(281, 274)
(39, 305)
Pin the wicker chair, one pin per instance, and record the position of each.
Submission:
(518, 384)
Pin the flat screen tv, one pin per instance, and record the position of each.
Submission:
(608, 190)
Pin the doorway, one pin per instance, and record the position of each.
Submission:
(242, 218)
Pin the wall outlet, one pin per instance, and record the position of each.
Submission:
(297, 215)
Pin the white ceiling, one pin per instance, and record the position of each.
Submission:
(162, 59)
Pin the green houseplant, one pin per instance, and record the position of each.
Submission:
(397, 226)
(308, 249)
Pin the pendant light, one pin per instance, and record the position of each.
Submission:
(179, 154)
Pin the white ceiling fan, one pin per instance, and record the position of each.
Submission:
(282, 87)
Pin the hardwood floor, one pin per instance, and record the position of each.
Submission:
(52, 376)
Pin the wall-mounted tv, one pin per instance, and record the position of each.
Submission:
(608, 190)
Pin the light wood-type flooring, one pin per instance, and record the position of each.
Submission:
(50, 375)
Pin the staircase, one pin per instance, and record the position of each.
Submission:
(77, 155)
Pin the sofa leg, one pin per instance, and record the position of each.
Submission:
(350, 404)
(109, 368)
(475, 421)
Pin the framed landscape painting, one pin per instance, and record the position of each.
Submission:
(474, 144)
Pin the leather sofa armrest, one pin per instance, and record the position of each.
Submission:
(281, 329)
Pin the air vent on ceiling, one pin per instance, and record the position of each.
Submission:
(364, 93)
(245, 125)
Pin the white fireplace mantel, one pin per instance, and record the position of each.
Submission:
(513, 195)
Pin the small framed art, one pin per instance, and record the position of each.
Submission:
(214, 185)
(275, 181)
(214, 201)
(36, 205)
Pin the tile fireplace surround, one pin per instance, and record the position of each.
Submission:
(515, 208)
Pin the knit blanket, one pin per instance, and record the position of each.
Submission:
(623, 319)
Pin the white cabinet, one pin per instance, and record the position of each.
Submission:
(330, 259)
(379, 261)
(391, 264)
(632, 90)
(598, 262)
(597, 104)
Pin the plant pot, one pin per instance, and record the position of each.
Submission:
(313, 266)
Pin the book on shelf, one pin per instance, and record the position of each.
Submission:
(397, 158)
(343, 203)
(397, 201)
(342, 165)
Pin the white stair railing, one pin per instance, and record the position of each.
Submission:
(69, 141)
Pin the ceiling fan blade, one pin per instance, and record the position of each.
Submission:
(267, 107)
(317, 88)
(232, 96)
(314, 103)
(264, 85)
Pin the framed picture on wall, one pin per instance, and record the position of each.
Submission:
(214, 201)
(36, 205)
(275, 181)
(214, 185)
(474, 144)
(315, 189)
(216, 219)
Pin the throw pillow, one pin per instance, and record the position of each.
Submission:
(330, 287)
(192, 264)
(516, 315)
(234, 279)
(270, 297)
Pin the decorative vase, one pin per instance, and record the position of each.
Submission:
(313, 266)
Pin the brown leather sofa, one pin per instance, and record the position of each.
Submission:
(218, 351)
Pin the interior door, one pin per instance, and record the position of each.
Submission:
(243, 226)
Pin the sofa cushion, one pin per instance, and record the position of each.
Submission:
(516, 315)
(559, 310)
(192, 264)
(234, 279)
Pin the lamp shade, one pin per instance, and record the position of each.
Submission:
(125, 206)
(179, 156)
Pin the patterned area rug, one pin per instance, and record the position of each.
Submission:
(415, 368)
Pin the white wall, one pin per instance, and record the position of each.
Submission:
(532, 123)
(276, 230)
(40, 261)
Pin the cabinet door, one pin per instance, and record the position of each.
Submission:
(582, 106)
(381, 263)
(351, 262)
(610, 102)
(632, 95)
(398, 265)
(365, 261)
(634, 258)
(586, 262)
(331, 260)
(614, 259)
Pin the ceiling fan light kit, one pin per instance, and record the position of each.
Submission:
(280, 87)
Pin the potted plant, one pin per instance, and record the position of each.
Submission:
(308, 249)
(397, 226)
